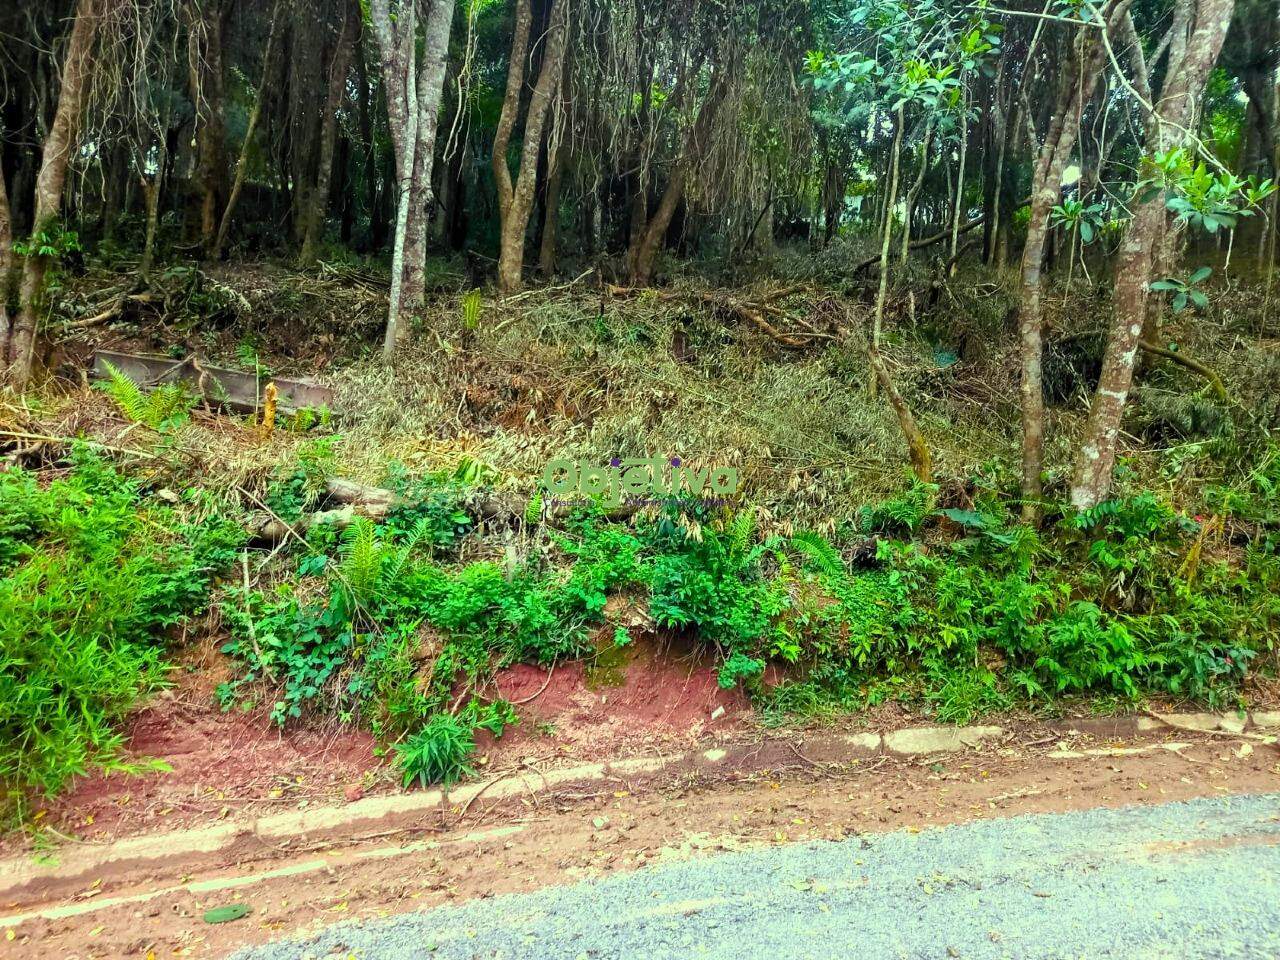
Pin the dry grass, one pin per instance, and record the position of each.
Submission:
(567, 372)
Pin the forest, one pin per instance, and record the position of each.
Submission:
(975, 302)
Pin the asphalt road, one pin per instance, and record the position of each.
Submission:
(1198, 879)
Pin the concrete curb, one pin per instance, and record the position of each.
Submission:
(23, 879)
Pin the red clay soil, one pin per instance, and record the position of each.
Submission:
(239, 764)
(597, 709)
(218, 762)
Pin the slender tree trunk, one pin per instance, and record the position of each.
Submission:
(640, 161)
(1077, 87)
(242, 164)
(958, 210)
(1004, 130)
(557, 157)
(644, 257)
(414, 85)
(914, 191)
(515, 202)
(369, 174)
(59, 144)
(151, 190)
(204, 67)
(1141, 255)
(7, 274)
(551, 221)
(886, 240)
(317, 200)
(921, 461)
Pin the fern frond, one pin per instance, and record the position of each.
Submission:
(361, 566)
(127, 395)
(741, 531)
(819, 551)
(471, 302)
(395, 568)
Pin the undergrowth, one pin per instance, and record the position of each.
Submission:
(95, 576)
(399, 624)
(963, 609)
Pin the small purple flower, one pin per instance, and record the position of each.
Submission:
(615, 462)
(675, 461)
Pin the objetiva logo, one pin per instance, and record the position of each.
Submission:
(638, 480)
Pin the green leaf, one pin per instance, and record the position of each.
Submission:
(1199, 299)
(1086, 231)
(966, 518)
(1179, 302)
(1200, 275)
(234, 911)
(1166, 285)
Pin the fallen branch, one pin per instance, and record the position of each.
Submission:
(114, 310)
(1191, 363)
(744, 310)
(924, 242)
(930, 240)
(68, 441)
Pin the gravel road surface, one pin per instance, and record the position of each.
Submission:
(1197, 879)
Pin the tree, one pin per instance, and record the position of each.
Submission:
(61, 140)
(207, 91)
(515, 200)
(1078, 78)
(246, 147)
(413, 78)
(1168, 126)
(316, 199)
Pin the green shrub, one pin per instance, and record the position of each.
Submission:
(96, 578)
(968, 617)
(167, 405)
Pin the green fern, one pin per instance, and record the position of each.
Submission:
(360, 569)
(168, 404)
(820, 553)
(127, 394)
(395, 568)
(471, 303)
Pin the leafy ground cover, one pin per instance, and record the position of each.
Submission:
(96, 576)
(819, 590)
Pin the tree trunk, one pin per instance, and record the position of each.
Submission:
(1080, 78)
(958, 210)
(151, 190)
(914, 191)
(415, 86)
(515, 203)
(7, 262)
(557, 158)
(242, 164)
(886, 237)
(644, 256)
(921, 461)
(204, 53)
(1142, 254)
(59, 145)
(317, 199)
(551, 221)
